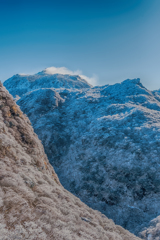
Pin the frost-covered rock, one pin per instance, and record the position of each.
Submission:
(152, 232)
(33, 203)
(104, 143)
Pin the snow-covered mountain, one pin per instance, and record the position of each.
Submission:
(104, 143)
(33, 203)
(21, 83)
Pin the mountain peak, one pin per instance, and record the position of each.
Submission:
(24, 83)
(134, 80)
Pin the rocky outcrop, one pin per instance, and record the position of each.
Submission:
(152, 232)
(33, 203)
(104, 143)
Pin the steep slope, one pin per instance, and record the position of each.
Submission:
(21, 84)
(33, 204)
(104, 143)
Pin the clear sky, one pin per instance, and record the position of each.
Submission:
(110, 39)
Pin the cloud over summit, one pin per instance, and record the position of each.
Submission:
(63, 70)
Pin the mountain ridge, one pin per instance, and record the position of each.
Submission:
(28, 83)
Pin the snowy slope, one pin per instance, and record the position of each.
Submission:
(104, 143)
(20, 84)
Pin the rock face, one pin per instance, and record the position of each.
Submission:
(104, 143)
(33, 203)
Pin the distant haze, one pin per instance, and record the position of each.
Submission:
(107, 41)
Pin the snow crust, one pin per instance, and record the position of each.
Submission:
(104, 143)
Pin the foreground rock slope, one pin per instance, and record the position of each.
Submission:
(104, 143)
(33, 203)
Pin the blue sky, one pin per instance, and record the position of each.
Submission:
(111, 40)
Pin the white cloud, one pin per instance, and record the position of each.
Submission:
(23, 74)
(92, 80)
(64, 70)
(61, 70)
